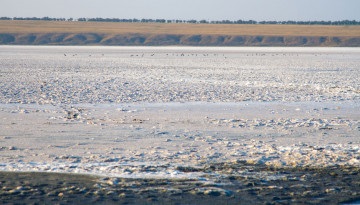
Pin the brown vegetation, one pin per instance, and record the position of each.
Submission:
(109, 33)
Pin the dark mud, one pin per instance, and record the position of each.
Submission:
(335, 185)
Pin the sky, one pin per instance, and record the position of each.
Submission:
(268, 10)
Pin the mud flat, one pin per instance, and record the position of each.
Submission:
(150, 125)
(335, 185)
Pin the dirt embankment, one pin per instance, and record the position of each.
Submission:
(153, 34)
(133, 39)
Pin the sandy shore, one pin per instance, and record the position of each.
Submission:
(171, 113)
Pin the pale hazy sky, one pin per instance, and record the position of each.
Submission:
(186, 9)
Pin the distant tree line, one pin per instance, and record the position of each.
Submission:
(343, 22)
(35, 19)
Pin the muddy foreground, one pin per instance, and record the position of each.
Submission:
(290, 186)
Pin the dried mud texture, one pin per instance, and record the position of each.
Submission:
(332, 185)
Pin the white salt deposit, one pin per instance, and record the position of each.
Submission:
(145, 112)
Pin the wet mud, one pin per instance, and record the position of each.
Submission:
(333, 185)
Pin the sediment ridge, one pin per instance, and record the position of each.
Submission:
(27, 32)
(137, 39)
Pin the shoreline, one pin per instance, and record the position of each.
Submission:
(337, 185)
